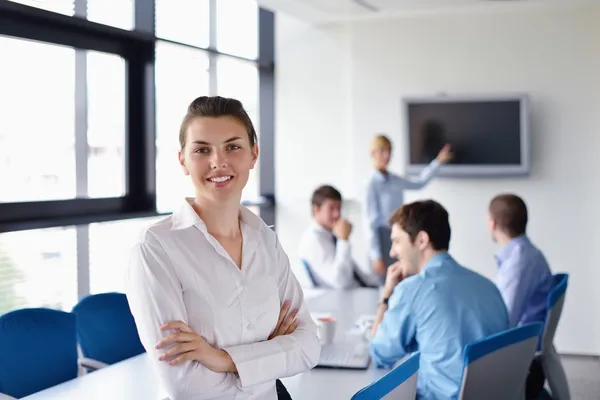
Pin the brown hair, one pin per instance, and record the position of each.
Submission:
(323, 193)
(510, 213)
(216, 106)
(427, 216)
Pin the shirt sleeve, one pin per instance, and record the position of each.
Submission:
(331, 263)
(155, 297)
(424, 177)
(285, 355)
(512, 285)
(396, 335)
(375, 219)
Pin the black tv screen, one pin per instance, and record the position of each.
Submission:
(488, 136)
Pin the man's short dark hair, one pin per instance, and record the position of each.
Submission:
(428, 216)
(323, 193)
(509, 211)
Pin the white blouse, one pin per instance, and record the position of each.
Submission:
(178, 271)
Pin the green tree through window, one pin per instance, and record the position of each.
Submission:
(9, 276)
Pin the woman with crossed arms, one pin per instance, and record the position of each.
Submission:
(216, 305)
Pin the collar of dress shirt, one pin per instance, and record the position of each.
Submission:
(185, 216)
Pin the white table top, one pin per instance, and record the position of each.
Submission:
(133, 379)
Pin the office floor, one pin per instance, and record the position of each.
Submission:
(583, 374)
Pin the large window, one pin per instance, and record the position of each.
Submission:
(90, 128)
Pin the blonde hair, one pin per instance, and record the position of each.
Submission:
(381, 141)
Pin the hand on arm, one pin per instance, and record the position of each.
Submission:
(379, 266)
(395, 274)
(287, 323)
(187, 345)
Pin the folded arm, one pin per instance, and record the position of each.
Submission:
(285, 355)
(155, 297)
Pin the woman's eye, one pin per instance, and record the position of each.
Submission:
(202, 150)
(233, 147)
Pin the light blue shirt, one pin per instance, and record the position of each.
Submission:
(438, 312)
(524, 279)
(385, 194)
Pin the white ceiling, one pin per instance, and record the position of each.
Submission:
(325, 11)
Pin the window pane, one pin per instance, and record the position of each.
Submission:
(117, 13)
(106, 124)
(237, 27)
(66, 7)
(185, 21)
(110, 249)
(37, 152)
(38, 268)
(239, 79)
(181, 76)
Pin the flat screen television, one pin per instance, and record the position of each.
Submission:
(489, 134)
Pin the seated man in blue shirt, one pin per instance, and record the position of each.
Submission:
(431, 303)
(524, 277)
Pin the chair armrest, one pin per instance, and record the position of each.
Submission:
(90, 364)
(6, 397)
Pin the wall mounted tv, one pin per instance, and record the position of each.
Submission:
(489, 134)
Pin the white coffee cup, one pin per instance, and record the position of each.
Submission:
(326, 329)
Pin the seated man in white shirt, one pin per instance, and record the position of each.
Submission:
(324, 247)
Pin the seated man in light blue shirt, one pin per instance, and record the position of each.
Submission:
(524, 277)
(431, 303)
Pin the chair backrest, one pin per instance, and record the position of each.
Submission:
(310, 274)
(38, 350)
(496, 367)
(106, 328)
(400, 383)
(554, 305)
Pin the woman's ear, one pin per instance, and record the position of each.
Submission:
(255, 152)
(181, 157)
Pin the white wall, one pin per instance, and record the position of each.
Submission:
(338, 85)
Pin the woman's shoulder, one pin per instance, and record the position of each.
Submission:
(153, 232)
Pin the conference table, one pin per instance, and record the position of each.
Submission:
(133, 379)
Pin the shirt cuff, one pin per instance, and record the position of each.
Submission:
(256, 368)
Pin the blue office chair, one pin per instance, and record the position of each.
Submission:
(400, 383)
(106, 328)
(38, 350)
(548, 356)
(310, 274)
(496, 367)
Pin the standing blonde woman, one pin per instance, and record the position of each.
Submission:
(385, 194)
(216, 305)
